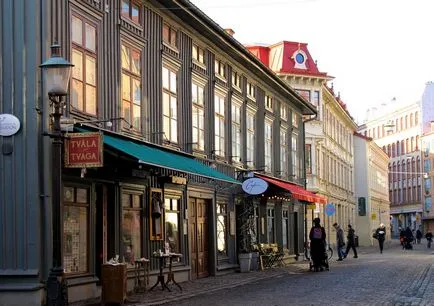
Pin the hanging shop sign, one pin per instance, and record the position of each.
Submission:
(254, 186)
(9, 125)
(84, 150)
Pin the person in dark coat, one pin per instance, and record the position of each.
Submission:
(317, 238)
(402, 238)
(418, 235)
(340, 242)
(380, 235)
(428, 237)
(408, 238)
(351, 241)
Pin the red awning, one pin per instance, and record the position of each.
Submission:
(297, 192)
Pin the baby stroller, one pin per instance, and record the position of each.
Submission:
(324, 264)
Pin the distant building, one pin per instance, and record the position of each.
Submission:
(397, 129)
(373, 206)
(428, 156)
(329, 154)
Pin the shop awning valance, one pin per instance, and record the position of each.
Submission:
(161, 158)
(296, 191)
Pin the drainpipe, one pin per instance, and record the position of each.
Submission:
(304, 170)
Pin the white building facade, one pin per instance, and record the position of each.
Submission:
(371, 191)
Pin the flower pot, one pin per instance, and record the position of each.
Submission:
(254, 264)
(245, 260)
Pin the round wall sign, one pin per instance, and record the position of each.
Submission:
(9, 125)
(330, 209)
(255, 186)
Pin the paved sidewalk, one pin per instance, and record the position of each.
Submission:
(216, 283)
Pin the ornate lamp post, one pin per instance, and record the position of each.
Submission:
(57, 73)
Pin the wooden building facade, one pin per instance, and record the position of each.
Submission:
(192, 113)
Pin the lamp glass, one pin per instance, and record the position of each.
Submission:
(57, 79)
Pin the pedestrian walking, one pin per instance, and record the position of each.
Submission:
(317, 238)
(402, 238)
(428, 237)
(380, 235)
(351, 241)
(418, 236)
(409, 238)
(340, 243)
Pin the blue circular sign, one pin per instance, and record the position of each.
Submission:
(330, 209)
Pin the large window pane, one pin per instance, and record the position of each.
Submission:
(125, 57)
(90, 70)
(75, 259)
(77, 94)
(77, 61)
(131, 235)
(126, 87)
(90, 100)
(90, 37)
(77, 30)
(172, 224)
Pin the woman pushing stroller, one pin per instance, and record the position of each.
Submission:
(317, 238)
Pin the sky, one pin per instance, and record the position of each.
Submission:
(376, 50)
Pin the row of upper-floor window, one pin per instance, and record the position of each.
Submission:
(402, 147)
(336, 130)
(405, 195)
(404, 169)
(393, 126)
(84, 57)
(334, 170)
(312, 96)
(84, 99)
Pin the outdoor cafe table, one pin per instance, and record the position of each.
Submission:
(170, 276)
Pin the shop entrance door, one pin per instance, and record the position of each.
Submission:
(198, 236)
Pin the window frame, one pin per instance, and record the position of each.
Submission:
(131, 3)
(268, 145)
(172, 118)
(199, 51)
(171, 39)
(87, 205)
(225, 216)
(250, 136)
(284, 152)
(85, 53)
(133, 76)
(219, 119)
(200, 145)
(236, 130)
(220, 69)
(171, 198)
(140, 209)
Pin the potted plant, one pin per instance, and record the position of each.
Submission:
(247, 237)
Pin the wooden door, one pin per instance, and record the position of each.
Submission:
(198, 235)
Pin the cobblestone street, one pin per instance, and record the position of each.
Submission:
(396, 277)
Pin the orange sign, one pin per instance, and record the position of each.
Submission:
(84, 150)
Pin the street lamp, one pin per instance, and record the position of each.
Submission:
(56, 74)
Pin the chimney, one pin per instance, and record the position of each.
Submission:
(230, 31)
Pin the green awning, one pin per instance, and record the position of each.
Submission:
(161, 158)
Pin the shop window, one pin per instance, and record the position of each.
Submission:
(285, 227)
(84, 72)
(270, 225)
(131, 226)
(222, 225)
(75, 229)
(171, 218)
(155, 214)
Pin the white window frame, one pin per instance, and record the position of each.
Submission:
(236, 131)
(172, 116)
(198, 113)
(283, 152)
(269, 103)
(268, 145)
(251, 91)
(251, 138)
(219, 124)
(294, 157)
